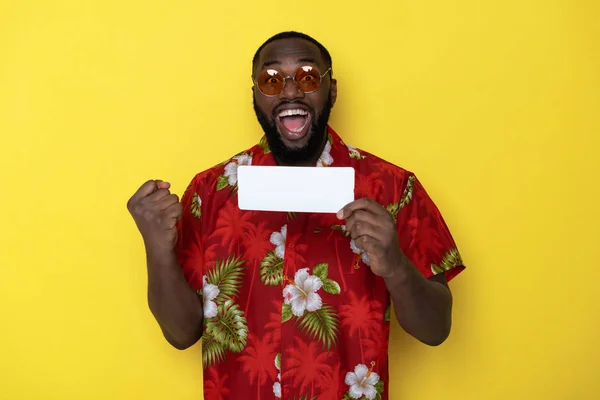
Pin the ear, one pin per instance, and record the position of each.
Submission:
(333, 91)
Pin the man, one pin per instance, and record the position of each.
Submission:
(296, 305)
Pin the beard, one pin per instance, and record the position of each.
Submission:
(316, 136)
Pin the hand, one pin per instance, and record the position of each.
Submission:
(374, 231)
(155, 211)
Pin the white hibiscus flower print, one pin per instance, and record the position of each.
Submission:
(325, 160)
(277, 385)
(362, 382)
(361, 253)
(209, 292)
(302, 293)
(278, 239)
(232, 167)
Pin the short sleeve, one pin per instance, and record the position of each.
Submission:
(424, 237)
(189, 249)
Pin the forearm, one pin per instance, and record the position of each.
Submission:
(175, 305)
(423, 307)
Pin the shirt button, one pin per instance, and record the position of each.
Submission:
(286, 389)
(291, 246)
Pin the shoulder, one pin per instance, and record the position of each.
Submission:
(366, 163)
(223, 174)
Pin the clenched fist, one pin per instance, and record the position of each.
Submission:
(155, 211)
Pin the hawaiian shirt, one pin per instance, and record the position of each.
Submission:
(291, 308)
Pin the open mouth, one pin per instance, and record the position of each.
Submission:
(294, 123)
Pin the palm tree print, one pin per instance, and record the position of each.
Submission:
(305, 365)
(215, 386)
(256, 242)
(232, 226)
(257, 360)
(362, 317)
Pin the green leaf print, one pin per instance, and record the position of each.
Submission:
(436, 270)
(271, 269)
(321, 325)
(213, 352)
(286, 312)
(228, 276)
(278, 361)
(393, 209)
(379, 387)
(195, 209)
(340, 228)
(222, 182)
(408, 192)
(388, 311)
(264, 145)
(330, 286)
(228, 327)
(320, 271)
(450, 260)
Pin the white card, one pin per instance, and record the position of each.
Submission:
(295, 189)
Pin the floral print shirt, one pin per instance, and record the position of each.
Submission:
(291, 309)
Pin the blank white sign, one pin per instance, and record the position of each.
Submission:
(295, 189)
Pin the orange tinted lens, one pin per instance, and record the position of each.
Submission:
(270, 82)
(308, 78)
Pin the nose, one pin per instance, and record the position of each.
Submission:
(290, 90)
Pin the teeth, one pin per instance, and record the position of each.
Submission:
(289, 113)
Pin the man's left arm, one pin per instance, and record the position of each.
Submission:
(423, 306)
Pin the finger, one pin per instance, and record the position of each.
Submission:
(362, 228)
(361, 204)
(167, 201)
(362, 217)
(158, 195)
(174, 210)
(145, 190)
(368, 244)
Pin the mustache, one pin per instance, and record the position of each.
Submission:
(293, 102)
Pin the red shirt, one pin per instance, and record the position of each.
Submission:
(291, 309)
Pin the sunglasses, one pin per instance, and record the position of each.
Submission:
(307, 78)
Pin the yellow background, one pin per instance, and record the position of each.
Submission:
(495, 106)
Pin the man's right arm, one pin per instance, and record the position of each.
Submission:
(175, 305)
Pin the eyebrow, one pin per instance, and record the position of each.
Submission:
(268, 63)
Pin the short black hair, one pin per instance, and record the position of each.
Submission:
(294, 35)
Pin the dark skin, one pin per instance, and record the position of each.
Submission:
(287, 56)
(423, 307)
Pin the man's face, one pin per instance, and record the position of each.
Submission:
(294, 122)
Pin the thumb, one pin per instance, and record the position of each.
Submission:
(162, 184)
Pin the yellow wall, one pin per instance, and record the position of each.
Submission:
(495, 105)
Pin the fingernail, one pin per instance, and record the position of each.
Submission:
(340, 214)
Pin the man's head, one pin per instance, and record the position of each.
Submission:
(293, 116)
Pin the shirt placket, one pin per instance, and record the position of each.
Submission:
(295, 227)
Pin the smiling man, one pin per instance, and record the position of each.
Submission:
(296, 306)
